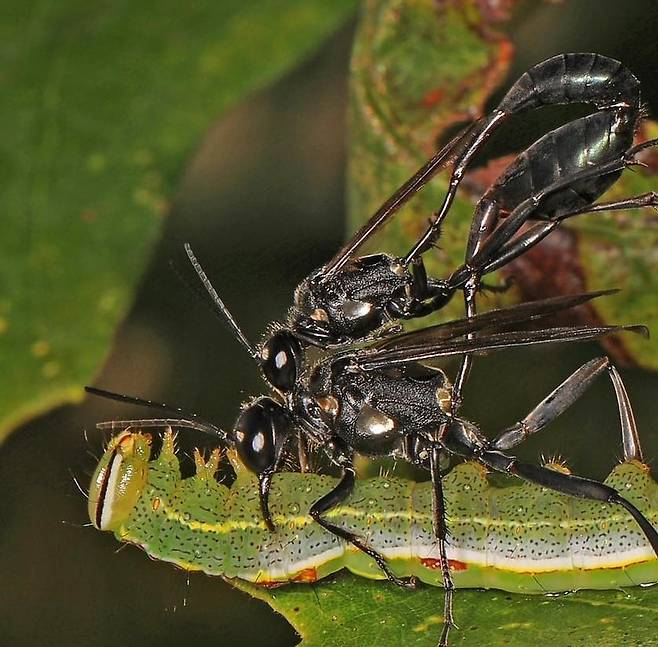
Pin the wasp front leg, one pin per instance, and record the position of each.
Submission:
(339, 494)
(421, 296)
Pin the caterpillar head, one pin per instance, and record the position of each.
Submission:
(118, 480)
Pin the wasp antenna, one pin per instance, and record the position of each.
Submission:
(629, 436)
(131, 399)
(190, 419)
(199, 425)
(222, 310)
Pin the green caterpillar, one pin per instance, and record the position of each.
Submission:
(519, 538)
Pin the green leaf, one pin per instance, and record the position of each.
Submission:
(102, 106)
(351, 611)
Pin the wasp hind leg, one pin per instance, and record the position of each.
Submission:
(441, 533)
(550, 408)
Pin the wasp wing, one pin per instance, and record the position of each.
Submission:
(444, 157)
(491, 320)
(370, 359)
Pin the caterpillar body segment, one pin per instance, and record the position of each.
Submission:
(519, 538)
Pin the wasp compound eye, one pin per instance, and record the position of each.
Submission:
(280, 358)
(259, 434)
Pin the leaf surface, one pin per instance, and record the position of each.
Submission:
(354, 612)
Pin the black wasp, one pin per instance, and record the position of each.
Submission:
(378, 399)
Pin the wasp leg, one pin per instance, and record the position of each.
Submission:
(649, 199)
(553, 405)
(470, 291)
(264, 484)
(441, 533)
(424, 295)
(451, 151)
(630, 439)
(479, 134)
(335, 497)
(568, 484)
(520, 244)
(303, 455)
(504, 245)
(571, 484)
(564, 396)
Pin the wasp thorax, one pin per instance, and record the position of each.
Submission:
(280, 358)
(259, 434)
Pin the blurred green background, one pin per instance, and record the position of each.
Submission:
(262, 203)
